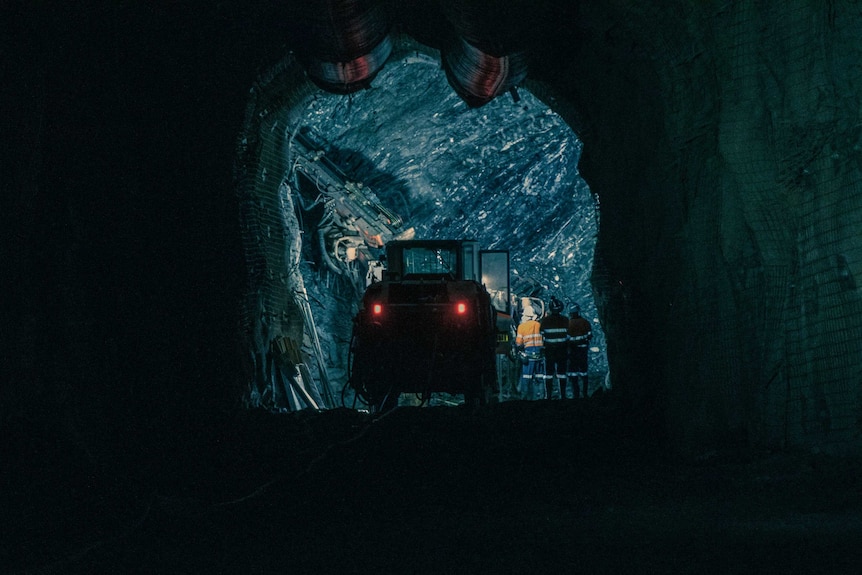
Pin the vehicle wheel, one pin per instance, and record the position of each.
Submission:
(478, 392)
(490, 385)
(383, 398)
(389, 401)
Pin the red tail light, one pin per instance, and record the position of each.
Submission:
(460, 308)
(377, 309)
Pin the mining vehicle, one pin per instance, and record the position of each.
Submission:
(432, 324)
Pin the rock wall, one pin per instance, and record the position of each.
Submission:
(724, 142)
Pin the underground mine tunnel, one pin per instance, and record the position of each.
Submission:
(432, 167)
(715, 145)
(709, 277)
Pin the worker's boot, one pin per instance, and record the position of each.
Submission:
(549, 387)
(586, 385)
(562, 388)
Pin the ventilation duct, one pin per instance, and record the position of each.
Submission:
(479, 77)
(345, 43)
(484, 61)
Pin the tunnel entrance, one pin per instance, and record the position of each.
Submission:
(504, 174)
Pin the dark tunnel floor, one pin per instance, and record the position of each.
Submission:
(516, 487)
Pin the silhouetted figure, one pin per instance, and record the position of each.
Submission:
(555, 335)
(580, 332)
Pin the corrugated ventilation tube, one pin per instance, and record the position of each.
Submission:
(350, 45)
(486, 59)
(479, 77)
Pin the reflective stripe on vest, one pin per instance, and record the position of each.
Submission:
(530, 340)
(555, 335)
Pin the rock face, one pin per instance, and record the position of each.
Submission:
(723, 140)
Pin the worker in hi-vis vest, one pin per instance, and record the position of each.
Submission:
(529, 344)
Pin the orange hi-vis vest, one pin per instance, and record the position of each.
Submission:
(529, 334)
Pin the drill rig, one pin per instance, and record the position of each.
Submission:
(355, 224)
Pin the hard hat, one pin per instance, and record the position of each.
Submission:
(556, 306)
(575, 309)
(529, 311)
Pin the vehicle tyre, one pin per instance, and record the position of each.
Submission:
(479, 391)
(382, 395)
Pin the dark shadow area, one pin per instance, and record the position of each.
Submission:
(523, 487)
(124, 447)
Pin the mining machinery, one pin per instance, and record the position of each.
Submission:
(355, 224)
(434, 323)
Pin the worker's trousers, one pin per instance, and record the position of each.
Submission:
(532, 373)
(555, 367)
